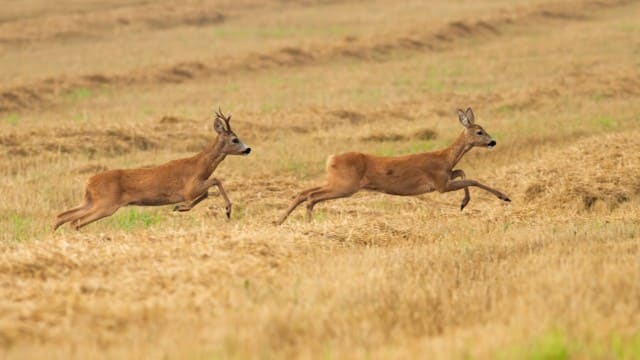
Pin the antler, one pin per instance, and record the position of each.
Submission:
(226, 119)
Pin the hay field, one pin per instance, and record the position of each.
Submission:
(88, 86)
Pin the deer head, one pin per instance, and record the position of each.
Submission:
(475, 135)
(231, 144)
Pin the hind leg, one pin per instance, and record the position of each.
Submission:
(75, 209)
(324, 195)
(459, 173)
(300, 198)
(189, 206)
(69, 215)
(94, 214)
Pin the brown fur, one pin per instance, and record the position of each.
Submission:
(170, 183)
(406, 175)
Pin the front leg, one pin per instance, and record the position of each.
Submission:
(459, 173)
(202, 189)
(216, 182)
(460, 184)
(193, 203)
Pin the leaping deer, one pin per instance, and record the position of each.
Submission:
(406, 175)
(170, 183)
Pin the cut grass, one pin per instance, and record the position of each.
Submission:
(79, 94)
(12, 119)
(557, 345)
(19, 227)
(404, 148)
(131, 218)
(275, 32)
(607, 122)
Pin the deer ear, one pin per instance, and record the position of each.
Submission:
(218, 126)
(470, 115)
(464, 119)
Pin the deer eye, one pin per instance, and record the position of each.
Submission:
(479, 132)
(235, 141)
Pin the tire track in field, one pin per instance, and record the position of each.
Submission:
(16, 98)
(89, 24)
(98, 20)
(188, 137)
(579, 83)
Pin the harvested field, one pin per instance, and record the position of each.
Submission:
(91, 86)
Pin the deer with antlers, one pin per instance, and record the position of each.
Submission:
(406, 175)
(182, 180)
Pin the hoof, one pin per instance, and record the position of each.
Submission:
(464, 203)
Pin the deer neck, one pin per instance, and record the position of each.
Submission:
(212, 156)
(456, 151)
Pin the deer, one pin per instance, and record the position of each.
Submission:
(184, 181)
(407, 175)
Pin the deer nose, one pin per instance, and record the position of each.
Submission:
(247, 151)
(492, 143)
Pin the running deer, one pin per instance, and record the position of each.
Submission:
(406, 175)
(170, 183)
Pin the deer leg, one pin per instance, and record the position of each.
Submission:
(193, 203)
(216, 182)
(323, 195)
(300, 198)
(69, 215)
(460, 184)
(70, 211)
(459, 173)
(200, 193)
(94, 214)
